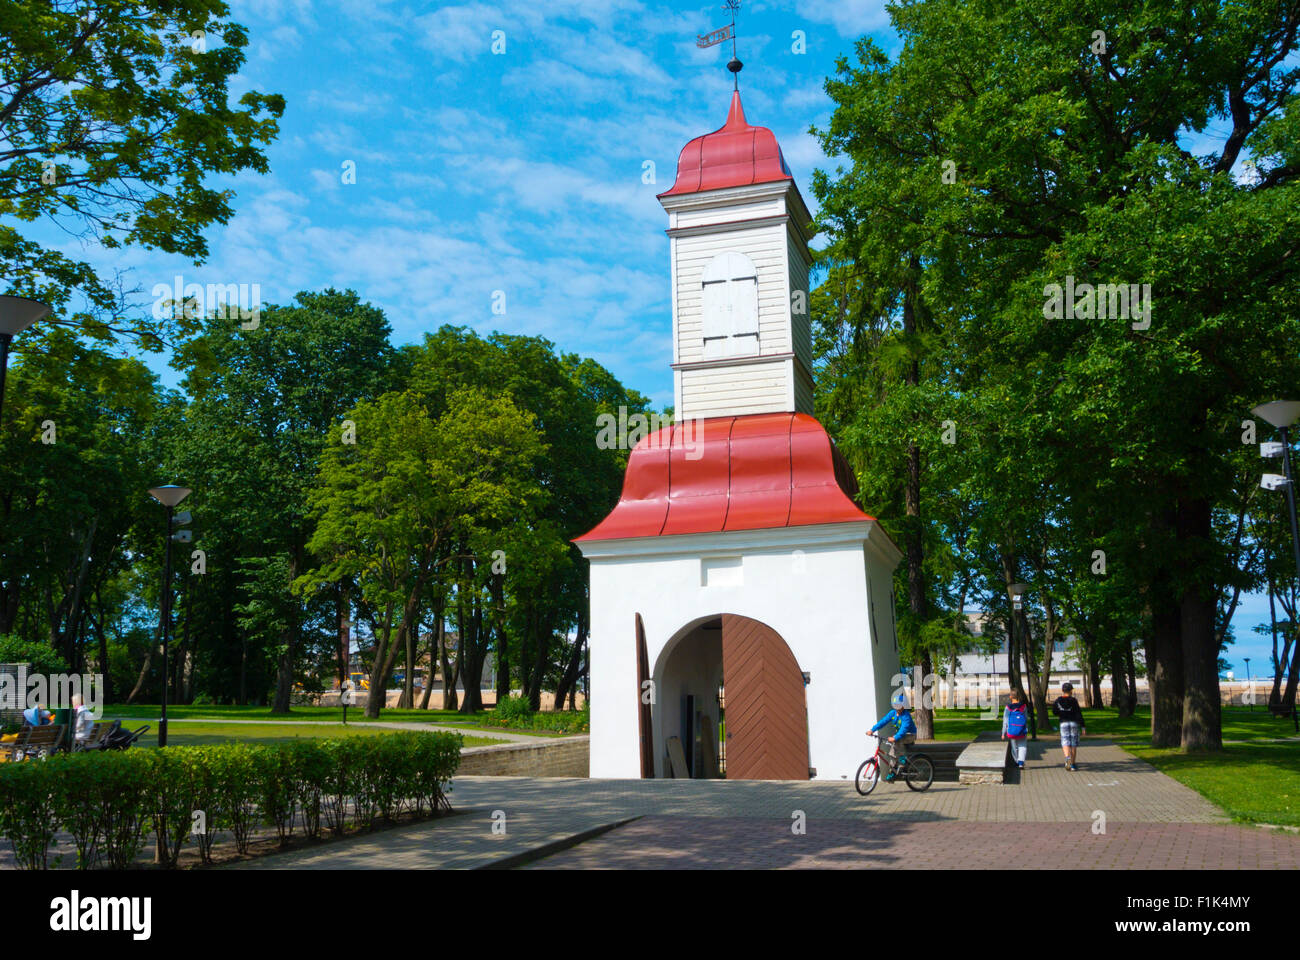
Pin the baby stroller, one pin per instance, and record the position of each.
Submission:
(115, 738)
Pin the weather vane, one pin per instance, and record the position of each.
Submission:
(722, 34)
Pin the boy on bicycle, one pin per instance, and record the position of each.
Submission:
(904, 734)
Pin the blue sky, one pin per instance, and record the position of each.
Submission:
(519, 171)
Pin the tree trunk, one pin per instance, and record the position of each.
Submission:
(1119, 684)
(381, 664)
(1165, 676)
(541, 659)
(914, 535)
(449, 698)
(407, 700)
(1037, 676)
(284, 672)
(1087, 643)
(435, 648)
(343, 619)
(502, 641)
(144, 668)
(102, 636)
(1130, 676)
(1200, 647)
(568, 684)
(1288, 698)
(472, 655)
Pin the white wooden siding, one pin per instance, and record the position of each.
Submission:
(774, 207)
(803, 392)
(736, 389)
(766, 247)
(800, 325)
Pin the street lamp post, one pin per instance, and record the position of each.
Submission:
(16, 315)
(1283, 414)
(1249, 686)
(1017, 592)
(169, 496)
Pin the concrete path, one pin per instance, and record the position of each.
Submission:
(726, 821)
(685, 843)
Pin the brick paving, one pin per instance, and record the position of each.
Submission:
(1049, 803)
(659, 843)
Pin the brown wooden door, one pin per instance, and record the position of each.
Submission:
(643, 704)
(766, 713)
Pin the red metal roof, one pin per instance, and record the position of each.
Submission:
(750, 472)
(733, 156)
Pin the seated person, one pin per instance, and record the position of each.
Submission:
(36, 717)
(83, 722)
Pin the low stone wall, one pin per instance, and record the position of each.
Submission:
(330, 698)
(562, 757)
(986, 760)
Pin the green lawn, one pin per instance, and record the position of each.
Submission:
(196, 733)
(1255, 781)
(149, 713)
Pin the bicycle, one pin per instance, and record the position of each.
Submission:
(915, 769)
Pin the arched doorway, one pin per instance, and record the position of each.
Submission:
(729, 686)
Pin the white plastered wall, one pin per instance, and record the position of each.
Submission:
(809, 584)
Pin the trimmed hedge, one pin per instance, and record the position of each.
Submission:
(513, 713)
(110, 802)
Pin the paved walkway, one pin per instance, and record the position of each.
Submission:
(725, 821)
(659, 843)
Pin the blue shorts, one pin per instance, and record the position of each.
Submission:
(1069, 733)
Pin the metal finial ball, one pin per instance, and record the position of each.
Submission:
(734, 65)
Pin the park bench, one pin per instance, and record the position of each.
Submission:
(943, 754)
(92, 741)
(36, 741)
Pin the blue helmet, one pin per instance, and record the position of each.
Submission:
(899, 701)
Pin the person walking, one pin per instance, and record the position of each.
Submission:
(1015, 727)
(1068, 711)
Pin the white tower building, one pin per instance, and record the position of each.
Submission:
(742, 614)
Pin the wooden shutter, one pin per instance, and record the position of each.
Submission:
(730, 305)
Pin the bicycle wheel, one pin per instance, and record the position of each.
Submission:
(919, 772)
(868, 776)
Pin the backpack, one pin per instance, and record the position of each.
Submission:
(1017, 722)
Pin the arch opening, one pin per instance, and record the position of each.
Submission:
(729, 702)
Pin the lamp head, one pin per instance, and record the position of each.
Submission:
(169, 495)
(19, 313)
(1280, 413)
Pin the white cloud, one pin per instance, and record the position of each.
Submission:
(850, 18)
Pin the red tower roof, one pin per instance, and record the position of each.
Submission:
(734, 156)
(750, 472)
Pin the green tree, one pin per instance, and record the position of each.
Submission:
(407, 504)
(112, 116)
(1012, 149)
(264, 406)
